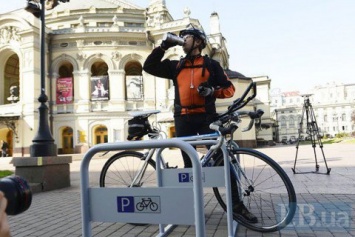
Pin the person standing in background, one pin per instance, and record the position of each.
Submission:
(4, 148)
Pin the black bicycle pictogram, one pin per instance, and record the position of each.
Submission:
(145, 203)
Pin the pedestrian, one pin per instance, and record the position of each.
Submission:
(4, 148)
(198, 81)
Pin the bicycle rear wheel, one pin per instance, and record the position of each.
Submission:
(121, 169)
(265, 189)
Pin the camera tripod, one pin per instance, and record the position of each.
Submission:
(313, 132)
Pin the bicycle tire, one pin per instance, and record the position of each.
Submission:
(273, 200)
(121, 168)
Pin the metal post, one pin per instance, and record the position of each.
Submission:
(43, 142)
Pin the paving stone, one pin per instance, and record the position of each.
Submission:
(58, 213)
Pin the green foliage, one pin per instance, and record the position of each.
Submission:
(341, 135)
(4, 173)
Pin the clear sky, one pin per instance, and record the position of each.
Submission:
(297, 43)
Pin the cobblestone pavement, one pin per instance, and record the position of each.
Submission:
(325, 202)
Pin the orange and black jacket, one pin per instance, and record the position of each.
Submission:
(187, 74)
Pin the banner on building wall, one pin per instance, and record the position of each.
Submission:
(64, 94)
(99, 88)
(134, 86)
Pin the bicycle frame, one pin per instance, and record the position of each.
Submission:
(148, 155)
(235, 167)
(205, 160)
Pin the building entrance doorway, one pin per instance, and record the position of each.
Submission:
(100, 135)
(68, 146)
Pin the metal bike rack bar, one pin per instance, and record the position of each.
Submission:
(232, 225)
(90, 194)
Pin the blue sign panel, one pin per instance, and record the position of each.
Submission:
(184, 178)
(125, 204)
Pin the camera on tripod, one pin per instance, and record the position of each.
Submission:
(313, 132)
(18, 194)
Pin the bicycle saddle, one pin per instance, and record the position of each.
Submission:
(143, 113)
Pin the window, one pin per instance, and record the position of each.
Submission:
(343, 117)
(291, 122)
(64, 84)
(104, 24)
(10, 90)
(335, 118)
(134, 81)
(99, 81)
(134, 87)
(131, 24)
(283, 122)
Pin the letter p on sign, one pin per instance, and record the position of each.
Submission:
(125, 204)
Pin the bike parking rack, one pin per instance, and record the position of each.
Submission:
(210, 178)
(97, 204)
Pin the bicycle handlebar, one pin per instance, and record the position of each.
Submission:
(252, 115)
(232, 114)
(240, 102)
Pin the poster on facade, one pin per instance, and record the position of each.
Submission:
(134, 86)
(99, 88)
(64, 94)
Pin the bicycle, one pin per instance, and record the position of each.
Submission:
(263, 185)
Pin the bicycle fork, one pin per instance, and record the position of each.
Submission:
(138, 177)
(238, 172)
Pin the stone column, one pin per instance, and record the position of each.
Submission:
(150, 90)
(82, 91)
(117, 90)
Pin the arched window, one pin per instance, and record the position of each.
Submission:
(291, 122)
(66, 70)
(283, 122)
(343, 117)
(134, 81)
(11, 81)
(99, 81)
(65, 84)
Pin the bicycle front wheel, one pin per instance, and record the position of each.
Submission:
(264, 188)
(125, 167)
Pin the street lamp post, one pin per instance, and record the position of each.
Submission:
(43, 142)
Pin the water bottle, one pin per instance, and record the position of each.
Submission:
(169, 37)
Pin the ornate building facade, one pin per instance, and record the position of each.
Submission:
(333, 105)
(94, 55)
